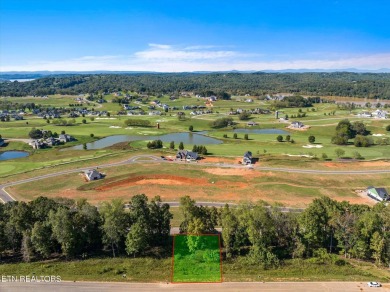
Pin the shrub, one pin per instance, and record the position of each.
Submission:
(357, 155)
(362, 141)
(221, 123)
(279, 138)
(388, 128)
(155, 144)
(312, 139)
(181, 146)
(35, 134)
(288, 138)
(92, 135)
(244, 116)
(137, 122)
(191, 128)
(235, 135)
(324, 156)
(339, 152)
(84, 121)
(172, 145)
(246, 137)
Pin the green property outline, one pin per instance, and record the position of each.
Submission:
(196, 258)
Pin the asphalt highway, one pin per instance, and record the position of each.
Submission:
(223, 287)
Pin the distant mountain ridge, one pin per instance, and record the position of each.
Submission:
(39, 74)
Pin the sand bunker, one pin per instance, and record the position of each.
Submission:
(378, 135)
(115, 127)
(312, 146)
(304, 128)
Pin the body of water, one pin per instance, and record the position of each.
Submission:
(186, 138)
(7, 155)
(21, 80)
(261, 131)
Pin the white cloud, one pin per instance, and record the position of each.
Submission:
(159, 46)
(200, 47)
(168, 58)
(165, 52)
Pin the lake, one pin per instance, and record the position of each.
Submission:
(7, 155)
(261, 131)
(21, 80)
(186, 138)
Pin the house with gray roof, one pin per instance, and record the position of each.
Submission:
(379, 194)
(247, 159)
(297, 125)
(93, 174)
(187, 155)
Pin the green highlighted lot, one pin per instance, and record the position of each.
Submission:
(196, 258)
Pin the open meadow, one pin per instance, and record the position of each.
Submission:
(204, 183)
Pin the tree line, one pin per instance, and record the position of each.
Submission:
(345, 130)
(221, 84)
(260, 234)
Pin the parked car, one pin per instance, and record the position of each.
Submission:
(374, 284)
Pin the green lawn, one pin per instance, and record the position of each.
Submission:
(159, 270)
(197, 259)
(322, 127)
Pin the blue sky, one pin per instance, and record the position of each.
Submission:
(170, 35)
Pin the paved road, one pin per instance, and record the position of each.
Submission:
(223, 287)
(6, 197)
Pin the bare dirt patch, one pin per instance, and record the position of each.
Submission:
(159, 179)
(209, 159)
(359, 164)
(236, 172)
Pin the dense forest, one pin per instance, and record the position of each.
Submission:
(365, 85)
(263, 235)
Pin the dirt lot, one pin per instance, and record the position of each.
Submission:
(172, 181)
(362, 165)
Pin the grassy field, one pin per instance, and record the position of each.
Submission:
(171, 181)
(159, 270)
(277, 186)
(202, 263)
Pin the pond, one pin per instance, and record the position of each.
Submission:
(186, 138)
(7, 155)
(261, 131)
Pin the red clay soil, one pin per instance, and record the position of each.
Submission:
(359, 165)
(159, 179)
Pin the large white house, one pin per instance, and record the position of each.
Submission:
(380, 114)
